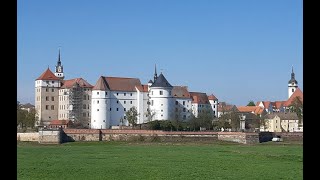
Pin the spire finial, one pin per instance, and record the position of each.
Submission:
(155, 73)
(292, 68)
(59, 55)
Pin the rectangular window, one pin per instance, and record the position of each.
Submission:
(176, 102)
(84, 106)
(124, 117)
(88, 114)
(97, 109)
(151, 92)
(88, 106)
(47, 82)
(161, 110)
(161, 92)
(52, 82)
(124, 109)
(52, 98)
(47, 98)
(117, 102)
(117, 94)
(214, 106)
(184, 116)
(52, 90)
(117, 109)
(47, 107)
(130, 94)
(84, 97)
(52, 107)
(169, 93)
(97, 93)
(110, 109)
(97, 101)
(183, 102)
(47, 89)
(184, 109)
(106, 93)
(84, 114)
(130, 102)
(124, 94)
(151, 102)
(124, 102)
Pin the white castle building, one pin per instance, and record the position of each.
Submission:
(105, 104)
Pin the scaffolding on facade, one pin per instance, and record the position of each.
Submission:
(75, 103)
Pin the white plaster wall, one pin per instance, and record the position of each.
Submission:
(99, 108)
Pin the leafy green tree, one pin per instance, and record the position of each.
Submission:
(297, 107)
(251, 103)
(132, 116)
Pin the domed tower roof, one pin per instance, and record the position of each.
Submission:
(161, 81)
(292, 80)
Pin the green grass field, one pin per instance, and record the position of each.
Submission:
(120, 160)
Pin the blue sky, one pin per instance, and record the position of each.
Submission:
(237, 50)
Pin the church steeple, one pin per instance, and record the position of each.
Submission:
(292, 80)
(59, 68)
(292, 84)
(155, 73)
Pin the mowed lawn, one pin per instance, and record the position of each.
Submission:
(120, 160)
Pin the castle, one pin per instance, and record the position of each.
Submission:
(105, 104)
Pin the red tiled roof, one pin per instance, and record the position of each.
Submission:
(180, 92)
(223, 107)
(266, 104)
(252, 109)
(212, 97)
(123, 84)
(101, 84)
(59, 122)
(47, 75)
(200, 98)
(277, 104)
(297, 93)
(69, 83)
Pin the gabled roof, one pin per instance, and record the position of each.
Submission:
(297, 93)
(283, 116)
(71, 82)
(252, 109)
(47, 75)
(277, 104)
(199, 98)
(223, 107)
(266, 104)
(123, 84)
(180, 92)
(212, 97)
(101, 84)
(161, 81)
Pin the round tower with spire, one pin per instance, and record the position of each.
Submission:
(292, 84)
(59, 68)
(161, 100)
(100, 104)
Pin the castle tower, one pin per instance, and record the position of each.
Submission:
(100, 118)
(46, 97)
(59, 68)
(292, 84)
(161, 100)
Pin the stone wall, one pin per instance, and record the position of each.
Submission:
(239, 137)
(290, 136)
(70, 135)
(50, 136)
(28, 136)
